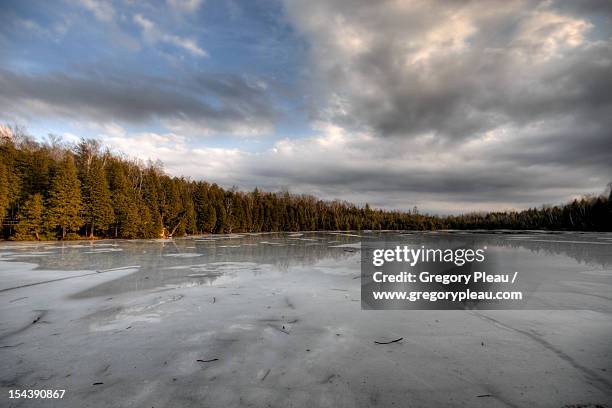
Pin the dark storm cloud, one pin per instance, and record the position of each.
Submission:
(465, 182)
(220, 103)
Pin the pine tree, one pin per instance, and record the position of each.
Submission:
(64, 204)
(209, 218)
(4, 191)
(10, 180)
(170, 206)
(97, 205)
(30, 219)
(190, 224)
(127, 216)
(221, 219)
(152, 219)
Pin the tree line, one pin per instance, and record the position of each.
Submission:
(52, 190)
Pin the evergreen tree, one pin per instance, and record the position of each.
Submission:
(608, 223)
(153, 225)
(4, 191)
(127, 216)
(170, 206)
(30, 219)
(10, 181)
(64, 203)
(221, 218)
(97, 205)
(209, 217)
(189, 224)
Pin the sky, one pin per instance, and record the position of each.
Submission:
(452, 106)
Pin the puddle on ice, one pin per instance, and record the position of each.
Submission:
(275, 319)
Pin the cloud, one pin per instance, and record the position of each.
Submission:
(101, 9)
(205, 103)
(454, 68)
(484, 174)
(154, 34)
(451, 106)
(508, 102)
(185, 6)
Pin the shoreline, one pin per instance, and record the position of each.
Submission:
(475, 231)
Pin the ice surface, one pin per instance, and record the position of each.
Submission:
(275, 320)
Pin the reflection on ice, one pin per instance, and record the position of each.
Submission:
(275, 319)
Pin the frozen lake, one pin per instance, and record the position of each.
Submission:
(275, 320)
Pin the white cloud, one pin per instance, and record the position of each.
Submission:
(545, 34)
(247, 127)
(185, 5)
(146, 25)
(153, 34)
(103, 10)
(185, 43)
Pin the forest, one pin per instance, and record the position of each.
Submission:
(54, 190)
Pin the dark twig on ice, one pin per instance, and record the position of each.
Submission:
(12, 345)
(483, 395)
(208, 361)
(98, 383)
(283, 330)
(389, 342)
